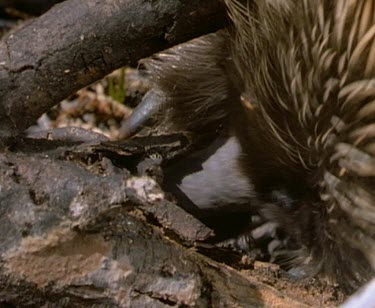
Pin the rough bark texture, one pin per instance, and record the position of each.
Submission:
(77, 42)
(76, 230)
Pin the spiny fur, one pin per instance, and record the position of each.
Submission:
(308, 67)
(305, 72)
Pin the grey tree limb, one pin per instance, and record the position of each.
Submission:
(78, 42)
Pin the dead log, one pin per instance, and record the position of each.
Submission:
(76, 230)
(78, 42)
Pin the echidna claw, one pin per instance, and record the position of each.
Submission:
(148, 107)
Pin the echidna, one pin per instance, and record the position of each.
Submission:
(294, 82)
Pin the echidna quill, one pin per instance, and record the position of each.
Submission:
(293, 82)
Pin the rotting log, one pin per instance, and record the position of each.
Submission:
(76, 230)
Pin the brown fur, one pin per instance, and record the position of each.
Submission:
(194, 78)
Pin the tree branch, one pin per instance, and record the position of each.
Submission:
(78, 42)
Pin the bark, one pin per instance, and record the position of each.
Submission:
(76, 230)
(78, 42)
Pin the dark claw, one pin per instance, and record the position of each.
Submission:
(149, 106)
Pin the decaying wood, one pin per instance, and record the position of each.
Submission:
(78, 42)
(77, 230)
